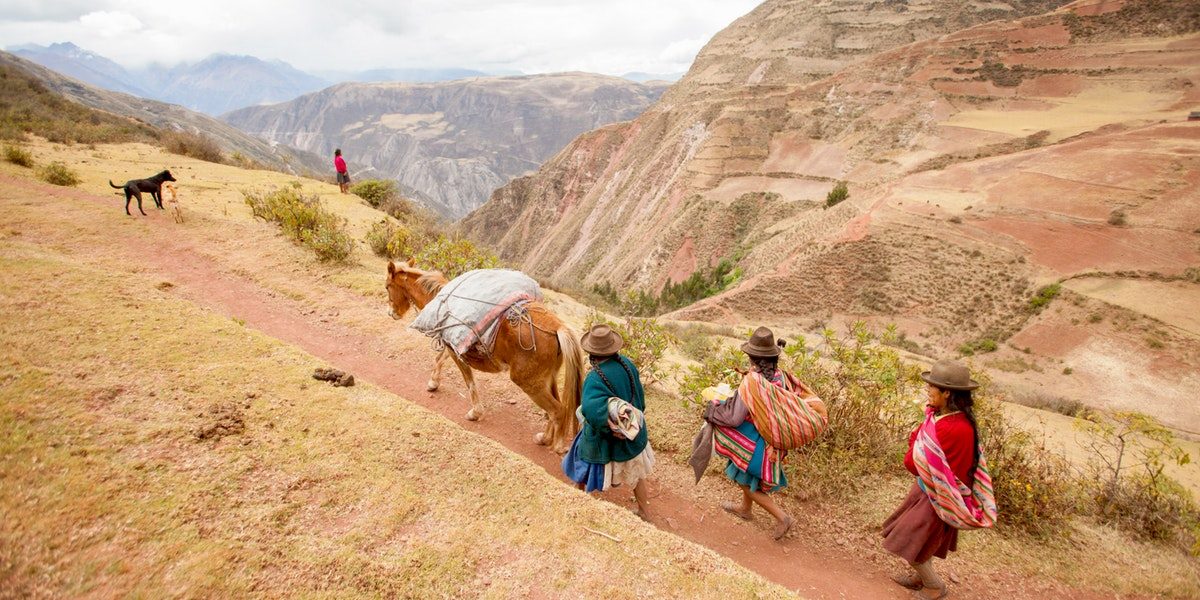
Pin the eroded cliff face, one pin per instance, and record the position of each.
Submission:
(637, 204)
(449, 143)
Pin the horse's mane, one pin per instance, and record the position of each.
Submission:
(432, 281)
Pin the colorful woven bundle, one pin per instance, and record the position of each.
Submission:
(785, 420)
(956, 504)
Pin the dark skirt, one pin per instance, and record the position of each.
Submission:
(915, 533)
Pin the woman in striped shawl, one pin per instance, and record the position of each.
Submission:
(755, 466)
(918, 530)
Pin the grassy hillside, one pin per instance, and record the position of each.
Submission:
(27, 106)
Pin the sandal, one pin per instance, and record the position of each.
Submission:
(783, 528)
(938, 593)
(731, 508)
(911, 581)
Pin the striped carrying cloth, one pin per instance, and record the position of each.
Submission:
(955, 504)
(785, 420)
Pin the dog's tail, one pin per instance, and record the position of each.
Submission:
(115, 185)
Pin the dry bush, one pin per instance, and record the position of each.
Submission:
(1035, 490)
(28, 106)
(375, 192)
(59, 174)
(304, 219)
(195, 145)
(453, 257)
(18, 156)
(1128, 454)
(393, 240)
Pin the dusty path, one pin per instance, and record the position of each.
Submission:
(813, 572)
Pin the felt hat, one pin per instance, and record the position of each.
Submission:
(601, 340)
(950, 375)
(761, 344)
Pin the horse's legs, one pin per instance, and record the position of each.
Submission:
(476, 411)
(435, 378)
(539, 392)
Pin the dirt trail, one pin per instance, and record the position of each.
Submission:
(811, 571)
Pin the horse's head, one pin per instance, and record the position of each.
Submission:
(408, 285)
(398, 285)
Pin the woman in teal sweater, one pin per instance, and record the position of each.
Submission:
(612, 447)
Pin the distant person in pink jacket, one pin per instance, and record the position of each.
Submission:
(343, 175)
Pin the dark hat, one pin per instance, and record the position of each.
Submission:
(950, 375)
(602, 341)
(761, 344)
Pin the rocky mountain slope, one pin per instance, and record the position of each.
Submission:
(450, 143)
(981, 165)
(171, 117)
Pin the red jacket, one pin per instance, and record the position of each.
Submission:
(339, 164)
(958, 443)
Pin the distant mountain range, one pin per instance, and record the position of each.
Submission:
(449, 143)
(169, 117)
(217, 84)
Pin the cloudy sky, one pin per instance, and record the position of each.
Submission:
(531, 36)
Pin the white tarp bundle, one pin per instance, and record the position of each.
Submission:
(468, 309)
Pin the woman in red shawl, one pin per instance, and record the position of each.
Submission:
(914, 532)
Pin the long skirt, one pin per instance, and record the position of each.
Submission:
(915, 533)
(751, 477)
(601, 477)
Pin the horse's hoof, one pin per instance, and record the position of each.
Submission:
(472, 415)
(539, 438)
(431, 385)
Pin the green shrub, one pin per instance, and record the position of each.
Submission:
(392, 240)
(646, 341)
(723, 365)
(18, 156)
(59, 174)
(979, 346)
(375, 192)
(195, 145)
(1042, 298)
(453, 257)
(303, 219)
(837, 195)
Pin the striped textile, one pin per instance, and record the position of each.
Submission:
(785, 420)
(955, 504)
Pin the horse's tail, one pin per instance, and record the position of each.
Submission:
(568, 343)
(115, 185)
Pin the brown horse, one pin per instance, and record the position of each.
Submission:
(534, 370)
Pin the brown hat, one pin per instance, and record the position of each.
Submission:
(950, 375)
(602, 341)
(761, 344)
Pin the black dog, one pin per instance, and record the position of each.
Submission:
(134, 188)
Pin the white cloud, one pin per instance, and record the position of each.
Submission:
(533, 36)
(111, 24)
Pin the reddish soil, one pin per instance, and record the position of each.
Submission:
(814, 572)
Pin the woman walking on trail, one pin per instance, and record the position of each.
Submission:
(755, 463)
(343, 175)
(953, 489)
(612, 447)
